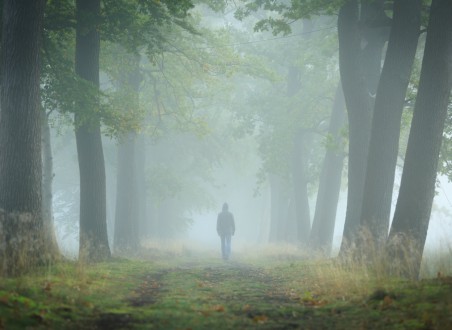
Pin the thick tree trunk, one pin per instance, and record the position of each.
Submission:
(384, 143)
(321, 237)
(47, 180)
(359, 114)
(359, 70)
(417, 188)
(20, 137)
(93, 223)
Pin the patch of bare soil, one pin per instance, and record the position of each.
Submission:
(255, 295)
(149, 290)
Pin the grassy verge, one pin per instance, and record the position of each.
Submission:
(201, 292)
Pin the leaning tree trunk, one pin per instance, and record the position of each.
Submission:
(384, 143)
(417, 187)
(93, 221)
(321, 237)
(359, 70)
(47, 179)
(21, 228)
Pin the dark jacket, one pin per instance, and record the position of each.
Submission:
(225, 223)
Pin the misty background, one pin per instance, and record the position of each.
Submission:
(211, 144)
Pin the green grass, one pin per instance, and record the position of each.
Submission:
(188, 291)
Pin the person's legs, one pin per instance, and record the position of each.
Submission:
(228, 246)
(223, 247)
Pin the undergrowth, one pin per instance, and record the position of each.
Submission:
(268, 287)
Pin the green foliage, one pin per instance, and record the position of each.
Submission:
(131, 24)
(141, 23)
(274, 110)
(280, 15)
(215, 5)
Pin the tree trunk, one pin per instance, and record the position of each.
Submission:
(93, 223)
(279, 205)
(127, 222)
(322, 232)
(47, 179)
(417, 187)
(140, 159)
(21, 228)
(126, 215)
(299, 204)
(385, 133)
(359, 76)
(359, 113)
(300, 187)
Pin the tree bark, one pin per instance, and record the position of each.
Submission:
(359, 76)
(300, 187)
(93, 223)
(126, 215)
(298, 211)
(385, 133)
(127, 220)
(20, 136)
(47, 197)
(417, 187)
(279, 204)
(142, 196)
(359, 113)
(322, 232)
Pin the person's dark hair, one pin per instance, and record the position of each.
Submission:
(225, 206)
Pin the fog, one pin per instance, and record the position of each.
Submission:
(235, 184)
(234, 115)
(210, 164)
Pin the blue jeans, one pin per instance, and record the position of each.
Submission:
(226, 246)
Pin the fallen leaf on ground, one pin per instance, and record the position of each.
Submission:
(218, 308)
(260, 319)
(246, 308)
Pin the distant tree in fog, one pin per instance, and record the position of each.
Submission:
(127, 221)
(321, 236)
(47, 180)
(93, 222)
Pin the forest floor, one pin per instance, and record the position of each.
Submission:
(205, 292)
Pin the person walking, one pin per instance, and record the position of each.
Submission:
(225, 229)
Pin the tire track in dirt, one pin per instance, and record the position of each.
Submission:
(149, 290)
(256, 302)
(146, 294)
(264, 301)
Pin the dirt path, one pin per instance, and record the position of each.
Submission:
(163, 293)
(232, 295)
(202, 296)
